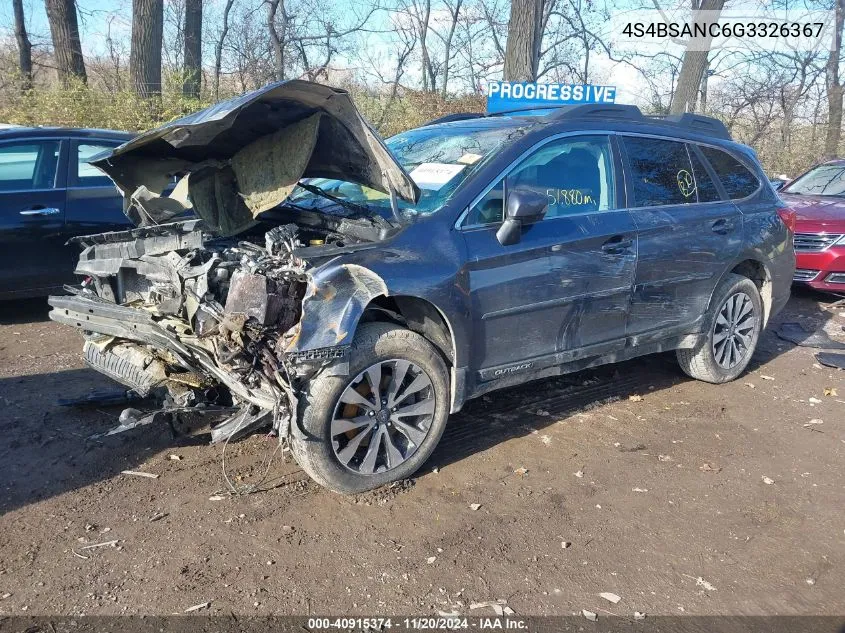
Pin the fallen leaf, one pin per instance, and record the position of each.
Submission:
(592, 617)
(579, 474)
(766, 377)
(520, 471)
(708, 468)
(635, 398)
(664, 458)
(565, 544)
(830, 391)
(174, 458)
(639, 489)
(768, 480)
(474, 506)
(431, 559)
(639, 616)
(700, 582)
(814, 401)
(216, 498)
(610, 597)
(138, 473)
(750, 385)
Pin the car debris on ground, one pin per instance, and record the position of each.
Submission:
(795, 333)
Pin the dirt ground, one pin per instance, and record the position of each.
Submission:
(609, 462)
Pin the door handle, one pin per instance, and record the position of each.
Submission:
(722, 226)
(43, 211)
(616, 245)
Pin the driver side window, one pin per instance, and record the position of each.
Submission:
(575, 174)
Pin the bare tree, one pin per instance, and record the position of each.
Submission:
(833, 82)
(193, 49)
(454, 8)
(694, 64)
(67, 46)
(24, 46)
(522, 55)
(218, 49)
(277, 35)
(145, 54)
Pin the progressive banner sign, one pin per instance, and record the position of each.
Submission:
(512, 95)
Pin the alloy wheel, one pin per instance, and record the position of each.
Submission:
(382, 417)
(733, 330)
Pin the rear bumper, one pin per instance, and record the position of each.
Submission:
(823, 270)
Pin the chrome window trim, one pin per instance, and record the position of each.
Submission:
(507, 170)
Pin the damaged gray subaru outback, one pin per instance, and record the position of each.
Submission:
(291, 270)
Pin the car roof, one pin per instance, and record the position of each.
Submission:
(14, 132)
(614, 117)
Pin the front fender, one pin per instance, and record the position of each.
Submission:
(333, 304)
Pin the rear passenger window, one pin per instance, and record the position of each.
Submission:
(704, 185)
(661, 172)
(88, 175)
(738, 181)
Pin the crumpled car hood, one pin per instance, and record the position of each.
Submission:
(241, 157)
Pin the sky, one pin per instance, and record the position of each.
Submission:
(99, 17)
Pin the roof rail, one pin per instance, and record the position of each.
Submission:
(699, 123)
(604, 110)
(456, 116)
(694, 122)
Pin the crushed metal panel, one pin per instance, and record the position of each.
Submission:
(346, 147)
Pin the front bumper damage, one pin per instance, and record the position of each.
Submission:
(219, 327)
(212, 330)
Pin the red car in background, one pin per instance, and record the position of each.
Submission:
(818, 198)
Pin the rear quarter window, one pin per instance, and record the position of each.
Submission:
(736, 178)
(661, 172)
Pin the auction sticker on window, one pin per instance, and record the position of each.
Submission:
(434, 175)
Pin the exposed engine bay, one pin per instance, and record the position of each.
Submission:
(224, 316)
(205, 326)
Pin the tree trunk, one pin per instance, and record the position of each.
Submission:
(66, 44)
(522, 53)
(24, 46)
(834, 86)
(145, 53)
(218, 51)
(693, 66)
(276, 40)
(193, 49)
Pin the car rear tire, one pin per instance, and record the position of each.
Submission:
(358, 437)
(731, 328)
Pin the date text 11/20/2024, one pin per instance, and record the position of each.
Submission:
(440, 623)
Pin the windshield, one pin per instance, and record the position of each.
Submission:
(438, 158)
(824, 180)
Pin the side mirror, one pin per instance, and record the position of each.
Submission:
(523, 207)
(778, 184)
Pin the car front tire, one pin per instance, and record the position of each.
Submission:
(732, 328)
(381, 421)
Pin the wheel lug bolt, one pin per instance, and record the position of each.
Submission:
(371, 413)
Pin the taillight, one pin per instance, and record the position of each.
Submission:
(787, 216)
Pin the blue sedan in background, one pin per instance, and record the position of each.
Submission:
(48, 194)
